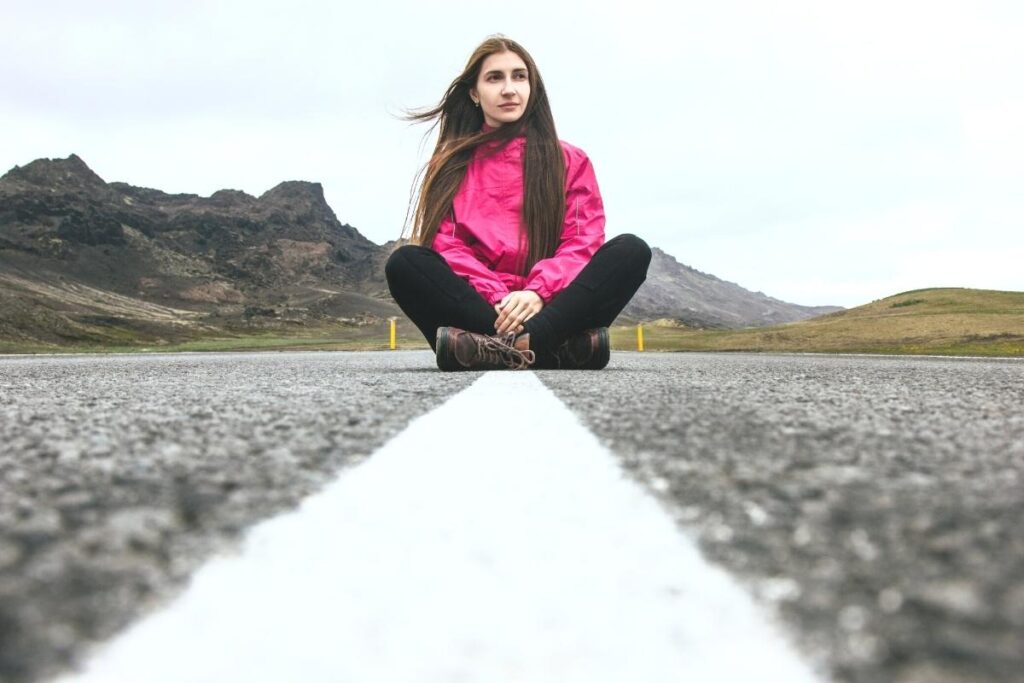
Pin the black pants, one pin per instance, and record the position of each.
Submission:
(432, 295)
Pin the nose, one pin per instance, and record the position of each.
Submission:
(507, 88)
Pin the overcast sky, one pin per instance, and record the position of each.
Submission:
(820, 152)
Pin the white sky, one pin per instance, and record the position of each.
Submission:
(823, 153)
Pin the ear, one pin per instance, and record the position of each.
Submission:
(473, 93)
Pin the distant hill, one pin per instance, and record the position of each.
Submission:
(673, 290)
(947, 321)
(87, 261)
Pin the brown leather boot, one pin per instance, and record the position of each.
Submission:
(461, 350)
(588, 350)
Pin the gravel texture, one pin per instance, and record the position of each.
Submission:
(120, 474)
(874, 504)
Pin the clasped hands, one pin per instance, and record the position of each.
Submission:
(515, 309)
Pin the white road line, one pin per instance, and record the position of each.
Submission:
(494, 539)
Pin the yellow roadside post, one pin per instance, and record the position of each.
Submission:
(392, 333)
(639, 337)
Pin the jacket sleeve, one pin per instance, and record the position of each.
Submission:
(582, 231)
(465, 263)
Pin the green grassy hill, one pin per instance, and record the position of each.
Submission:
(973, 322)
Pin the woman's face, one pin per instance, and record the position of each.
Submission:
(502, 88)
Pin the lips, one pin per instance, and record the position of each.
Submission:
(508, 106)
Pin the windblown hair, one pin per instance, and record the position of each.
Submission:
(543, 208)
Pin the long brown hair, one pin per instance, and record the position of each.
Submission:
(543, 208)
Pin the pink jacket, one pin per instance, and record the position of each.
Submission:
(481, 242)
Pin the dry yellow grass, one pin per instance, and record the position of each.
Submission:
(929, 321)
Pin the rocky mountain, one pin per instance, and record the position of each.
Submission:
(83, 260)
(678, 292)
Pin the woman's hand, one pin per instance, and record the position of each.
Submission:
(515, 309)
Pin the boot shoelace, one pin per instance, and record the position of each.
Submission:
(500, 349)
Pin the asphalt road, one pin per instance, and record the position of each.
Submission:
(874, 503)
(120, 474)
(877, 503)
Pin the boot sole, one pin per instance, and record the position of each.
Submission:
(444, 361)
(604, 348)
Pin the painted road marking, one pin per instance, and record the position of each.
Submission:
(494, 539)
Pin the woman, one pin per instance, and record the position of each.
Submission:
(507, 265)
